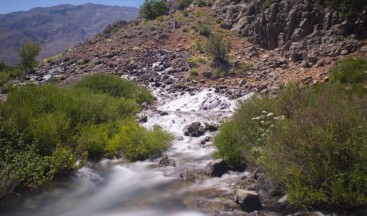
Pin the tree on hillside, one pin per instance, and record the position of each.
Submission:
(152, 9)
(28, 53)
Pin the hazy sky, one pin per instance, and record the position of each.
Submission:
(7, 6)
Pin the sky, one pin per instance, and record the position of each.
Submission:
(7, 6)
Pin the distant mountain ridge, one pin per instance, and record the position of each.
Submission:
(56, 28)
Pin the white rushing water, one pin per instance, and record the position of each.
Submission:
(112, 188)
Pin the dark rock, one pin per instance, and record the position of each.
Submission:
(187, 176)
(208, 74)
(268, 190)
(205, 140)
(143, 119)
(211, 127)
(195, 130)
(162, 113)
(248, 200)
(216, 168)
(166, 161)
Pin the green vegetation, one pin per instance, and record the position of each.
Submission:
(194, 73)
(217, 48)
(182, 4)
(151, 9)
(311, 140)
(350, 9)
(44, 130)
(350, 71)
(28, 53)
(8, 73)
(204, 30)
(201, 3)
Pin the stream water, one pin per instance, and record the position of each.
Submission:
(111, 187)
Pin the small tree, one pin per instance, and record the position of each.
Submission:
(217, 48)
(28, 53)
(152, 9)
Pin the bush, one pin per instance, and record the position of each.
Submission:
(44, 130)
(116, 87)
(350, 9)
(182, 4)
(151, 9)
(28, 53)
(217, 48)
(350, 71)
(204, 30)
(312, 140)
(194, 73)
(136, 143)
(201, 3)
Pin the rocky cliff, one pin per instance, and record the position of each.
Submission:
(300, 30)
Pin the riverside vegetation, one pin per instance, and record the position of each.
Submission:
(47, 131)
(312, 140)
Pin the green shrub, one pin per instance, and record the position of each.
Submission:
(137, 143)
(151, 9)
(350, 71)
(350, 9)
(182, 4)
(312, 140)
(204, 30)
(194, 73)
(28, 53)
(116, 87)
(44, 130)
(217, 48)
(196, 61)
(201, 3)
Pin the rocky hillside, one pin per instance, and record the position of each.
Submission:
(269, 47)
(56, 28)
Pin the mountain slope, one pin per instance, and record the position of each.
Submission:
(56, 28)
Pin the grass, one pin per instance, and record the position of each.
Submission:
(44, 130)
(350, 70)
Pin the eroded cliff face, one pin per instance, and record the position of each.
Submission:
(301, 30)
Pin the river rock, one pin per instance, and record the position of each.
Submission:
(248, 200)
(216, 168)
(269, 191)
(166, 161)
(187, 176)
(143, 119)
(195, 130)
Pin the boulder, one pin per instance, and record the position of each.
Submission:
(216, 168)
(187, 176)
(195, 130)
(268, 190)
(248, 200)
(143, 119)
(166, 161)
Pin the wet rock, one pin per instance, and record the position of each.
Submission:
(211, 127)
(208, 74)
(205, 140)
(187, 176)
(162, 113)
(166, 161)
(248, 200)
(364, 48)
(269, 191)
(216, 168)
(195, 130)
(143, 119)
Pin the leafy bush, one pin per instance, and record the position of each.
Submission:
(217, 48)
(350, 71)
(137, 143)
(116, 87)
(350, 9)
(194, 73)
(28, 53)
(201, 3)
(44, 130)
(312, 140)
(204, 30)
(151, 9)
(182, 4)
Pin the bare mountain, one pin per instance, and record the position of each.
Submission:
(56, 28)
